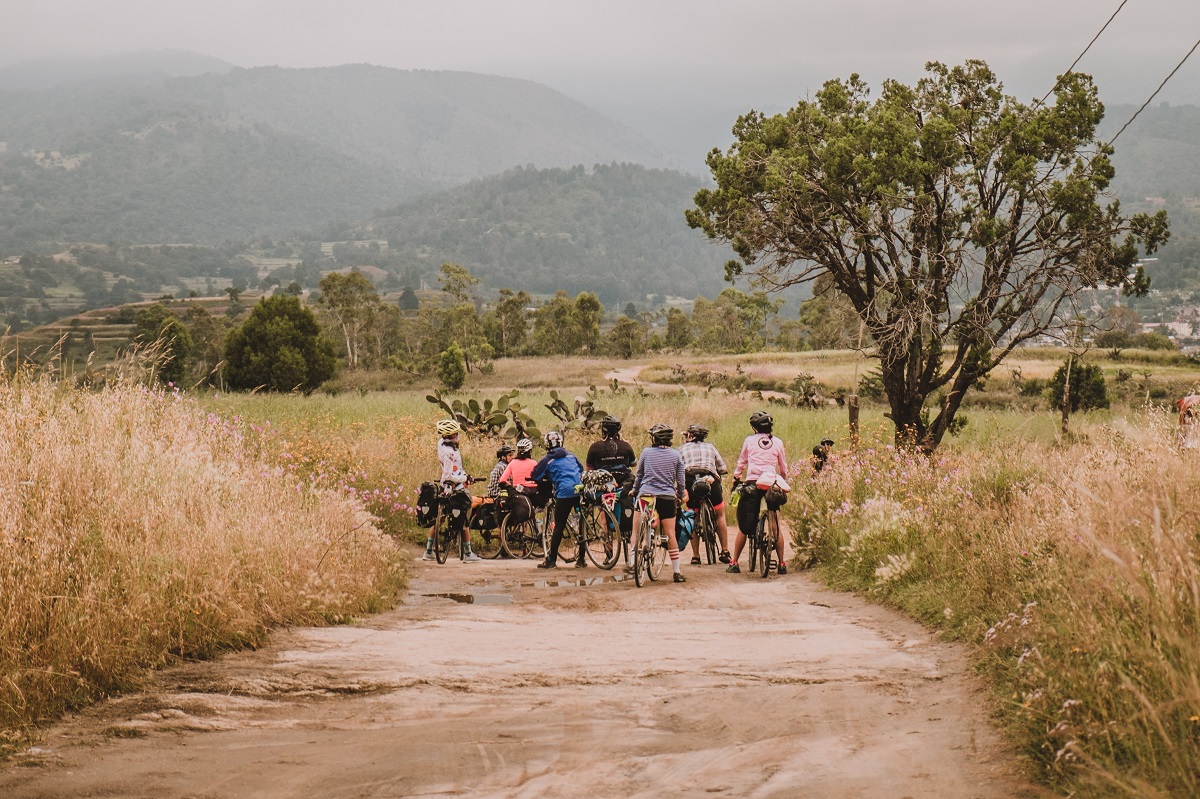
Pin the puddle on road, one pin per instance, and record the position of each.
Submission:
(476, 599)
(611, 578)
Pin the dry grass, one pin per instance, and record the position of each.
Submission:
(1074, 570)
(136, 529)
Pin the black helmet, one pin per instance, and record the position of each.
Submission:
(697, 432)
(505, 449)
(761, 421)
(660, 435)
(610, 426)
(826, 442)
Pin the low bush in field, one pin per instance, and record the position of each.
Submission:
(136, 529)
(1074, 571)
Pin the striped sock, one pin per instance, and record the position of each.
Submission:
(674, 555)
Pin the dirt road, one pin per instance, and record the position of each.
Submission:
(728, 685)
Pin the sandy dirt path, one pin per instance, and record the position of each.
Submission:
(728, 686)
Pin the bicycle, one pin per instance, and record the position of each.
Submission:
(650, 544)
(705, 529)
(572, 532)
(766, 536)
(599, 529)
(445, 533)
(520, 535)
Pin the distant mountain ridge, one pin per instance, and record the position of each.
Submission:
(214, 157)
(148, 65)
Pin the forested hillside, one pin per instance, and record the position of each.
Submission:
(217, 157)
(617, 230)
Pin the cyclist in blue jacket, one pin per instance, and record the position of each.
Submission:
(565, 471)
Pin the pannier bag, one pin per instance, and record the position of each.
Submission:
(456, 503)
(514, 505)
(485, 517)
(427, 504)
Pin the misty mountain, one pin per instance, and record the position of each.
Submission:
(146, 66)
(220, 156)
(617, 230)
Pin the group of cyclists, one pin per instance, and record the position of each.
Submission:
(660, 471)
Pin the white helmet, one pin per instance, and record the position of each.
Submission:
(448, 427)
(554, 439)
(524, 446)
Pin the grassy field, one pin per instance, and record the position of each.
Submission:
(1069, 568)
(137, 529)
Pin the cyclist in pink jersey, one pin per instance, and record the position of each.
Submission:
(519, 468)
(761, 452)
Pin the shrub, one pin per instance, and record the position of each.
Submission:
(1088, 389)
(451, 368)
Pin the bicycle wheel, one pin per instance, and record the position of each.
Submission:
(441, 537)
(641, 553)
(486, 543)
(517, 537)
(602, 536)
(706, 528)
(658, 551)
(545, 524)
(769, 531)
(752, 544)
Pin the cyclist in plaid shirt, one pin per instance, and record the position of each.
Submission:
(700, 458)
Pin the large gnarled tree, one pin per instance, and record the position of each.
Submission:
(957, 221)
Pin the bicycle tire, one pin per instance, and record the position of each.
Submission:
(486, 543)
(441, 537)
(602, 535)
(708, 522)
(658, 550)
(752, 544)
(768, 544)
(641, 554)
(772, 539)
(515, 537)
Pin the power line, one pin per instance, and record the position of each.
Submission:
(1156, 91)
(1079, 58)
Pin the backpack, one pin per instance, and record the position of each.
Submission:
(427, 504)
(685, 525)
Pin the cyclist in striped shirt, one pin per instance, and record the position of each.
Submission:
(702, 458)
(660, 475)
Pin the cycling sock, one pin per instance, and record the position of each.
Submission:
(674, 555)
(428, 544)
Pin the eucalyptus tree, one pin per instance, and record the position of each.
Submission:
(957, 221)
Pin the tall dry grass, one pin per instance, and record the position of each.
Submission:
(1074, 571)
(137, 528)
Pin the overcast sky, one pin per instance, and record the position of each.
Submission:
(685, 56)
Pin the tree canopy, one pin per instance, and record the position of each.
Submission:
(279, 348)
(957, 221)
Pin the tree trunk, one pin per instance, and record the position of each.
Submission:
(1066, 397)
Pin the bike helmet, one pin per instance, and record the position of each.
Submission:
(826, 442)
(448, 427)
(505, 449)
(610, 426)
(697, 432)
(524, 446)
(761, 421)
(660, 435)
(554, 439)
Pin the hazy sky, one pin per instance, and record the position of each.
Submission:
(693, 56)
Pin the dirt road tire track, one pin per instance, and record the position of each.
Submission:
(568, 691)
